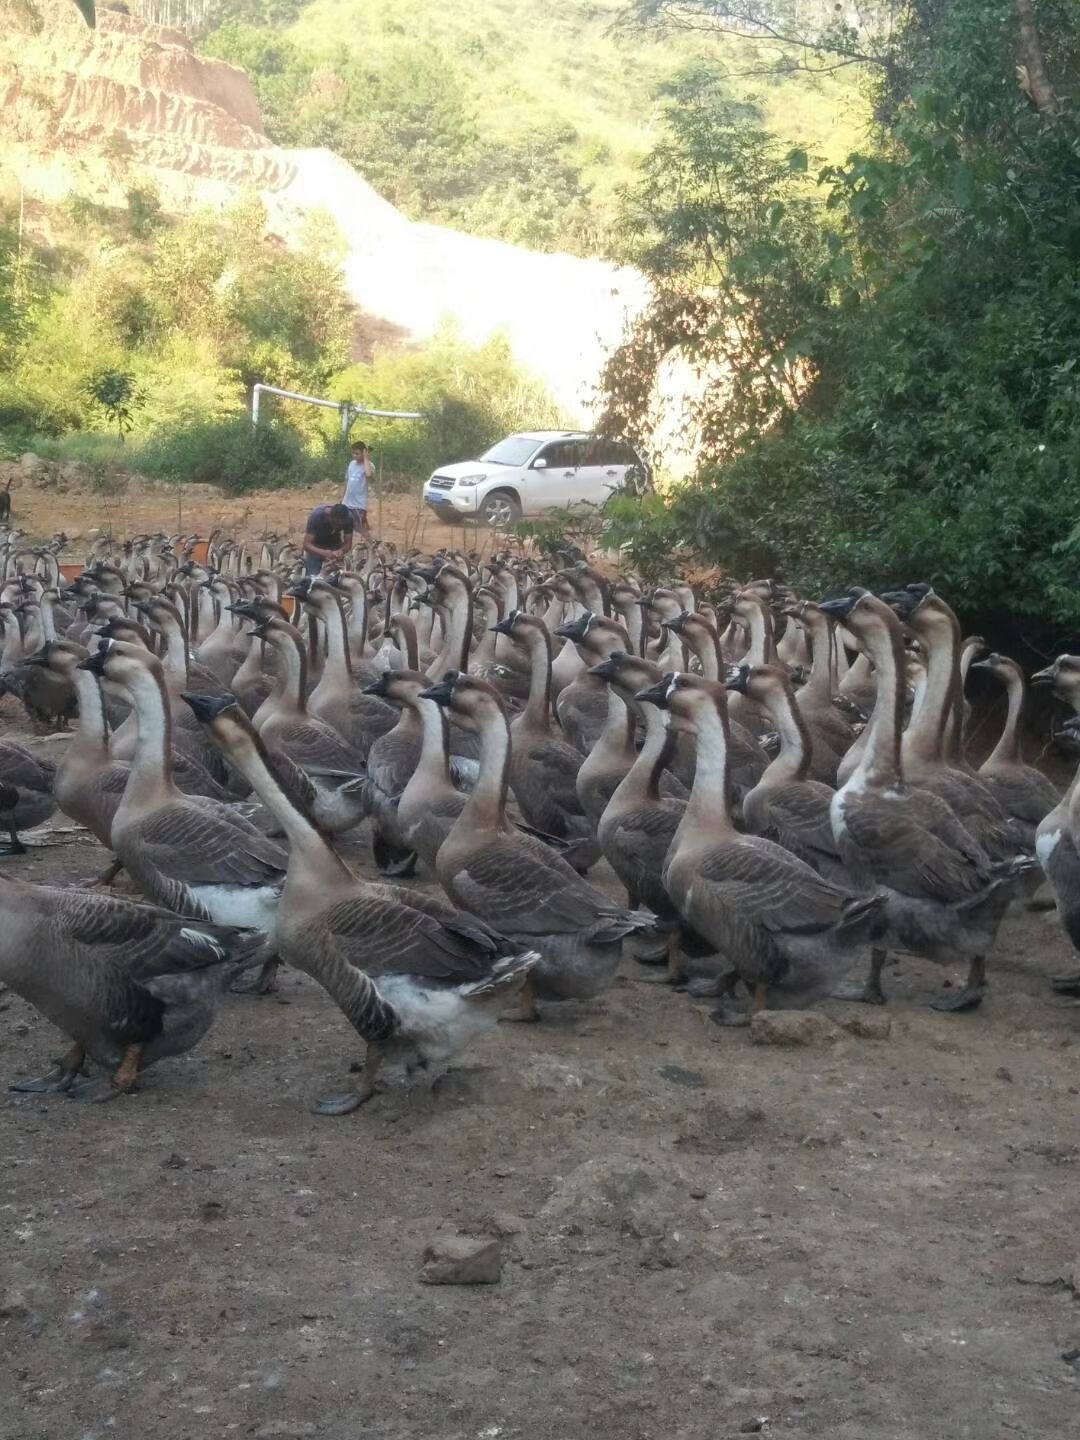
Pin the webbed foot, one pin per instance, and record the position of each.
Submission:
(970, 998)
(869, 993)
(730, 1016)
(96, 1092)
(265, 983)
(343, 1104)
(50, 1084)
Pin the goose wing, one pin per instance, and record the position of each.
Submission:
(549, 768)
(383, 934)
(137, 941)
(799, 816)
(761, 885)
(20, 767)
(913, 842)
(318, 747)
(1026, 794)
(197, 845)
(503, 879)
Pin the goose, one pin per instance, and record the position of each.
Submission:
(831, 733)
(513, 880)
(128, 984)
(787, 932)
(1055, 839)
(226, 647)
(359, 718)
(1024, 793)
(642, 816)
(753, 611)
(786, 804)
(26, 793)
(923, 747)
(414, 979)
(582, 705)
(194, 856)
(747, 756)
(945, 896)
(543, 768)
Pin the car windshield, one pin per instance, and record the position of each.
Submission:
(514, 450)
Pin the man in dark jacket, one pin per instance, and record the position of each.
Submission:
(327, 536)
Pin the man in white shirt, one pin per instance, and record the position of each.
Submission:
(357, 476)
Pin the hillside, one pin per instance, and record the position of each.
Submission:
(515, 118)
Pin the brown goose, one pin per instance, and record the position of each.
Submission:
(26, 793)
(787, 805)
(543, 768)
(1056, 839)
(491, 870)
(1024, 793)
(416, 980)
(194, 856)
(923, 748)
(128, 984)
(784, 930)
(337, 700)
(945, 896)
(831, 733)
(582, 706)
(747, 757)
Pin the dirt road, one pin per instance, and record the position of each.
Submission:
(869, 1240)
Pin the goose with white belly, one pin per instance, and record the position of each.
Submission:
(785, 931)
(194, 856)
(946, 897)
(515, 882)
(416, 980)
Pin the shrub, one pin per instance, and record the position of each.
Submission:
(232, 454)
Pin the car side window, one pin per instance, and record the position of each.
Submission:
(559, 455)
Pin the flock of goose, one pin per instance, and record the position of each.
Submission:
(780, 785)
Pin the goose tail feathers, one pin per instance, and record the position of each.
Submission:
(507, 975)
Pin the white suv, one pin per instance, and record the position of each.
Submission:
(529, 473)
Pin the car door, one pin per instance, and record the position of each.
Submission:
(596, 473)
(553, 484)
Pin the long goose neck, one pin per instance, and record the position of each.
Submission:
(358, 619)
(1008, 749)
(313, 861)
(291, 684)
(486, 806)
(338, 661)
(537, 712)
(434, 762)
(151, 766)
(821, 684)
(483, 652)
(705, 643)
(880, 762)
(793, 761)
(91, 738)
(707, 810)
(762, 648)
(46, 620)
(461, 623)
(925, 736)
(404, 630)
(175, 658)
(642, 780)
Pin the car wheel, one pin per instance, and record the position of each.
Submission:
(499, 510)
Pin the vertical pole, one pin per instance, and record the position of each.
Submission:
(378, 495)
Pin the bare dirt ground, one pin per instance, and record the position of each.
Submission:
(870, 1240)
(141, 507)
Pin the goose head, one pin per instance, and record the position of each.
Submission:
(628, 673)
(1064, 677)
(473, 702)
(688, 699)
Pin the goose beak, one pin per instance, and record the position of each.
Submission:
(841, 606)
(606, 670)
(677, 623)
(656, 694)
(207, 707)
(39, 657)
(301, 590)
(1045, 677)
(95, 663)
(505, 627)
(380, 686)
(575, 629)
(738, 679)
(443, 692)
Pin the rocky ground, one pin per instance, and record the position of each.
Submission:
(869, 1238)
